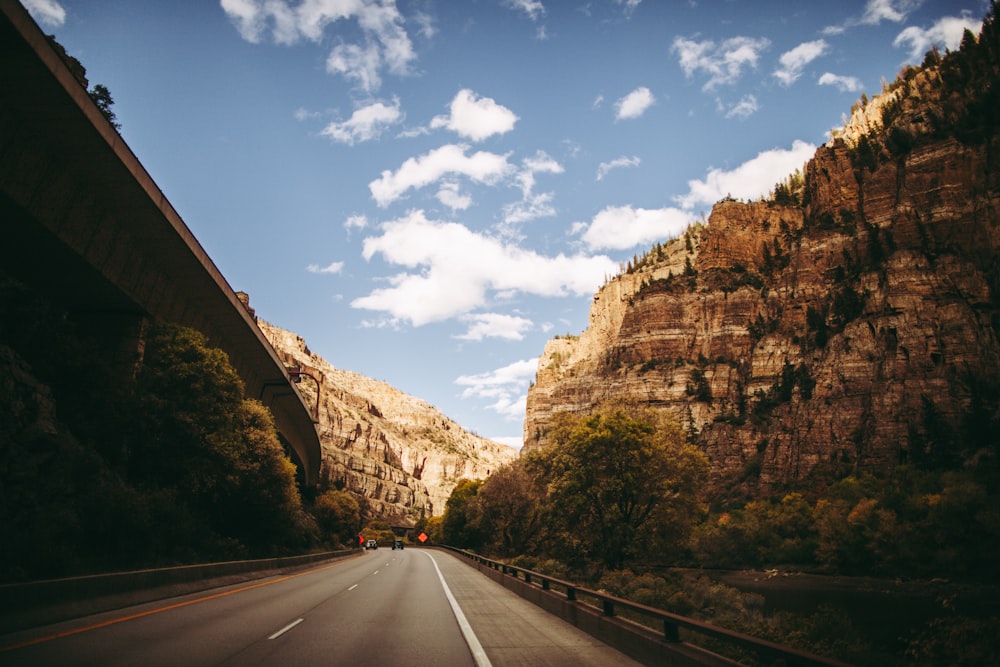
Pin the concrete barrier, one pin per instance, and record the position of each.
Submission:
(30, 604)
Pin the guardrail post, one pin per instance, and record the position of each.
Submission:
(527, 577)
(545, 584)
(671, 632)
(571, 593)
(609, 607)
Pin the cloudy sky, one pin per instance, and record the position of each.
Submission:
(429, 190)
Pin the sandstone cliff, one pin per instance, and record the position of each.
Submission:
(848, 321)
(394, 451)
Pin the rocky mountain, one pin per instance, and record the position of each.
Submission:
(396, 452)
(848, 321)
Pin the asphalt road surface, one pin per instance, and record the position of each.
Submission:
(409, 607)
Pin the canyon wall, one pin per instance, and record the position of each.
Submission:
(395, 452)
(848, 321)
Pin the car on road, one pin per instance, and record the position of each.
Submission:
(397, 544)
(371, 544)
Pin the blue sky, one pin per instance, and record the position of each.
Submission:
(429, 190)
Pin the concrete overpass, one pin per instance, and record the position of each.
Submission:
(83, 222)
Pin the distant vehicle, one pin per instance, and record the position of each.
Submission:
(371, 544)
(397, 544)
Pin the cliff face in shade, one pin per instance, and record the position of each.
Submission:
(848, 322)
(395, 452)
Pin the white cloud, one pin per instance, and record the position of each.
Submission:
(532, 205)
(365, 124)
(844, 84)
(540, 163)
(629, 5)
(450, 194)
(386, 43)
(476, 118)
(302, 114)
(357, 63)
(507, 387)
(889, 10)
(358, 221)
(450, 270)
(745, 108)
(495, 325)
(533, 9)
(334, 267)
(794, 61)
(426, 24)
(750, 180)
(414, 173)
(618, 163)
(47, 12)
(530, 208)
(874, 13)
(622, 227)
(634, 104)
(723, 63)
(946, 32)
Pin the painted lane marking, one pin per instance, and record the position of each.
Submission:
(286, 629)
(352, 587)
(150, 612)
(478, 654)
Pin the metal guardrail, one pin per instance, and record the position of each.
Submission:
(671, 624)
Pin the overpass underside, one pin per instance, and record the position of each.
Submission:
(84, 223)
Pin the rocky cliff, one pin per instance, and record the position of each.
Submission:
(395, 452)
(848, 321)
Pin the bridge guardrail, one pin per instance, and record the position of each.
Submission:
(610, 606)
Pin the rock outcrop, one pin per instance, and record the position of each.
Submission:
(395, 452)
(847, 322)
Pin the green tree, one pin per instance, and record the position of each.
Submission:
(199, 442)
(262, 504)
(102, 98)
(617, 483)
(509, 509)
(338, 515)
(189, 397)
(458, 525)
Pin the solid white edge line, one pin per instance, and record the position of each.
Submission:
(286, 629)
(478, 654)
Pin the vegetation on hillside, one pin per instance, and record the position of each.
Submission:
(610, 488)
(100, 474)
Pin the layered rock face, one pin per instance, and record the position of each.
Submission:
(850, 326)
(396, 452)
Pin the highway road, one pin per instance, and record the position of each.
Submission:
(383, 607)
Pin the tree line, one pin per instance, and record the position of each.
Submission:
(176, 467)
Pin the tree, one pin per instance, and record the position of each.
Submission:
(189, 396)
(456, 527)
(261, 505)
(508, 508)
(611, 477)
(102, 98)
(338, 515)
(209, 451)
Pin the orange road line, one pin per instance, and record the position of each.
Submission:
(122, 619)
